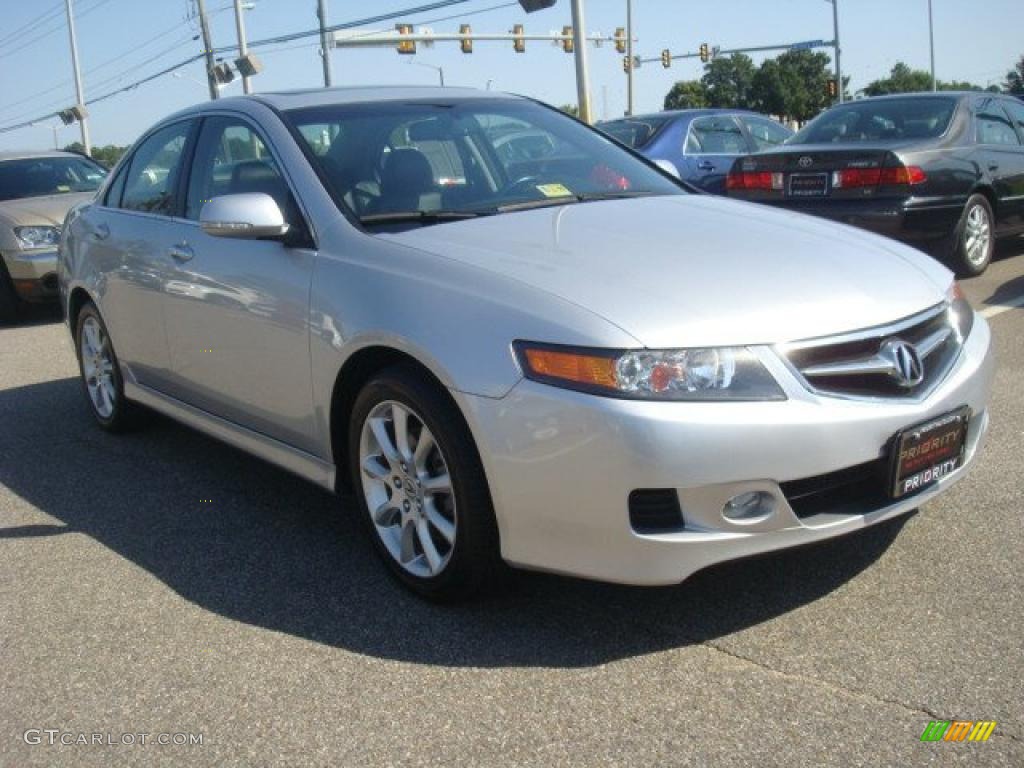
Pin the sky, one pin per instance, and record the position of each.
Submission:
(123, 40)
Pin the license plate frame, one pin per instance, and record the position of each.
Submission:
(800, 186)
(944, 440)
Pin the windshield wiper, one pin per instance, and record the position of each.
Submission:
(421, 217)
(583, 197)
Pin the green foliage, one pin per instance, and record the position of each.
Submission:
(106, 156)
(570, 109)
(1015, 79)
(687, 94)
(793, 85)
(728, 81)
(903, 79)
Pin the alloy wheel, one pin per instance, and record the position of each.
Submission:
(98, 367)
(977, 236)
(408, 489)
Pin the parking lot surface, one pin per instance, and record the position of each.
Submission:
(163, 583)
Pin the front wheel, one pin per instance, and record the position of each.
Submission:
(421, 487)
(9, 302)
(974, 240)
(101, 372)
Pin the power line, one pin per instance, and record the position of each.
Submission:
(60, 25)
(24, 29)
(268, 41)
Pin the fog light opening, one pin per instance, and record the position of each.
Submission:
(749, 507)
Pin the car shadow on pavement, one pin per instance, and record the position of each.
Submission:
(1009, 291)
(252, 543)
(39, 314)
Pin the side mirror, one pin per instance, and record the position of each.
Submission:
(246, 216)
(668, 167)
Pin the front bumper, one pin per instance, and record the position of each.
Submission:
(561, 466)
(34, 273)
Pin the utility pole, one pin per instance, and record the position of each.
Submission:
(325, 43)
(839, 68)
(579, 44)
(629, 55)
(243, 48)
(931, 45)
(84, 121)
(204, 26)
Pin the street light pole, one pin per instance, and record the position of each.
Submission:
(629, 56)
(579, 44)
(204, 26)
(931, 45)
(440, 70)
(839, 68)
(83, 121)
(243, 47)
(325, 43)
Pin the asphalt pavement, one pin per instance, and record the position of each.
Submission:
(163, 583)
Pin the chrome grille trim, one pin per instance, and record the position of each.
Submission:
(852, 366)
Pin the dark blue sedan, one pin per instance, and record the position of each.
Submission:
(701, 143)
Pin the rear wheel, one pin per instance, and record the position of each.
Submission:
(974, 240)
(421, 487)
(9, 301)
(101, 372)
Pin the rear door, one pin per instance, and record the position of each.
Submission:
(127, 235)
(712, 144)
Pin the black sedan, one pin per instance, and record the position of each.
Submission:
(941, 171)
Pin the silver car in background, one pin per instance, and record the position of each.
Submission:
(561, 361)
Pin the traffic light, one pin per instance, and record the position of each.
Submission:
(406, 46)
(626, 64)
(567, 41)
(666, 58)
(704, 53)
(466, 43)
(620, 40)
(519, 44)
(831, 88)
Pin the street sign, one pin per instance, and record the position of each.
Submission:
(807, 44)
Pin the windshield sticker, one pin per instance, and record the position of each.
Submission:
(554, 190)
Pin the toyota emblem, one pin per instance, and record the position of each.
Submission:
(905, 364)
(806, 161)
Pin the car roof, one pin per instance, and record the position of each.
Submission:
(696, 112)
(27, 154)
(316, 97)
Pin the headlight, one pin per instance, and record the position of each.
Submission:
(722, 373)
(37, 237)
(961, 314)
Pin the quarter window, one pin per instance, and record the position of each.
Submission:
(152, 180)
(715, 136)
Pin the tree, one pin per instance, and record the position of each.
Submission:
(687, 94)
(903, 79)
(570, 109)
(792, 85)
(106, 156)
(1015, 79)
(728, 81)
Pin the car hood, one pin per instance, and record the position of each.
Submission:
(40, 211)
(695, 270)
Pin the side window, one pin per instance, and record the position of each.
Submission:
(766, 133)
(1016, 111)
(151, 181)
(116, 188)
(231, 159)
(995, 129)
(715, 136)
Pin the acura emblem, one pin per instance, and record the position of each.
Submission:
(806, 161)
(905, 364)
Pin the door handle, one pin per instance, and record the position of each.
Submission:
(705, 165)
(180, 252)
(101, 232)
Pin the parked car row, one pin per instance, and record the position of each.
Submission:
(515, 341)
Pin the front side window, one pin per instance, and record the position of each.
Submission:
(464, 158)
(887, 119)
(151, 183)
(766, 133)
(38, 176)
(231, 158)
(715, 136)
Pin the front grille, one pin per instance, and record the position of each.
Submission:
(655, 510)
(852, 365)
(855, 490)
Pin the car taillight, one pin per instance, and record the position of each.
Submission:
(849, 178)
(757, 180)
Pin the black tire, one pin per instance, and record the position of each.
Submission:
(10, 304)
(958, 256)
(475, 564)
(125, 414)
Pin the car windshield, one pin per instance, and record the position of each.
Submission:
(419, 163)
(634, 132)
(879, 120)
(37, 176)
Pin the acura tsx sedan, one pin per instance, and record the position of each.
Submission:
(568, 362)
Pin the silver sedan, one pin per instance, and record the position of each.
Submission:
(561, 360)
